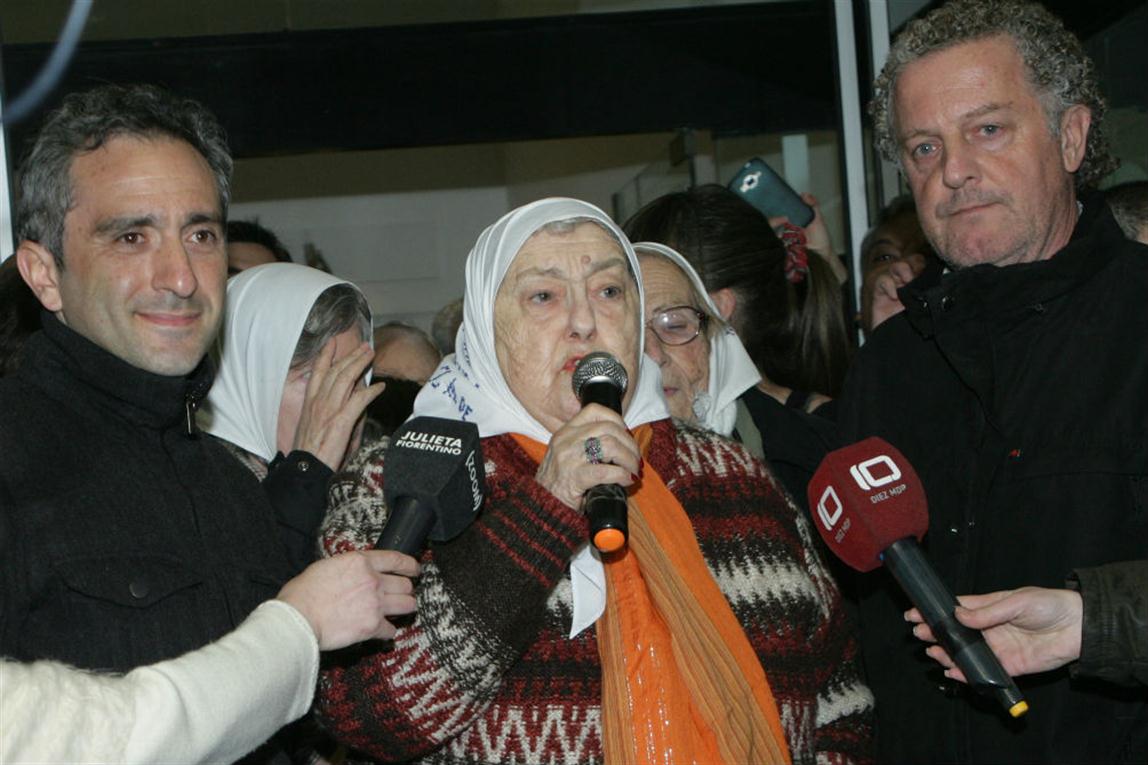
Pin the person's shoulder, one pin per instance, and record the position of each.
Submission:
(356, 508)
(11, 391)
(896, 373)
(1099, 234)
(700, 450)
(790, 435)
(894, 335)
(1133, 253)
(1116, 285)
(685, 432)
(897, 351)
(29, 413)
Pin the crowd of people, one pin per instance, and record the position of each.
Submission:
(196, 433)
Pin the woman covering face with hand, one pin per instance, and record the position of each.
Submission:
(528, 646)
(290, 391)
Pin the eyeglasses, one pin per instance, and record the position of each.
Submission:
(678, 325)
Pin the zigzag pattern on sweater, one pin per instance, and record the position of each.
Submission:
(566, 735)
(454, 690)
(447, 700)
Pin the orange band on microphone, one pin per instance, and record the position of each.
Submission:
(609, 540)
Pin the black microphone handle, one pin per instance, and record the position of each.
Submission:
(966, 646)
(606, 393)
(408, 527)
(605, 504)
(605, 508)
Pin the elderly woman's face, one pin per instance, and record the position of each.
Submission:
(565, 295)
(685, 368)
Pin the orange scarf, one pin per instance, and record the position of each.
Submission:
(680, 682)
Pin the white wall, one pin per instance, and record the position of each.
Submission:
(404, 229)
(406, 250)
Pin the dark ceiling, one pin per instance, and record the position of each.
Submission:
(765, 67)
(725, 68)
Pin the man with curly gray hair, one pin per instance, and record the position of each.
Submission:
(1016, 385)
(992, 187)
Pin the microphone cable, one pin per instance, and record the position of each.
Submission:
(52, 72)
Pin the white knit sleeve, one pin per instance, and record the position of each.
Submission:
(220, 702)
(211, 705)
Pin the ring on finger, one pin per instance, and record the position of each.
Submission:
(593, 448)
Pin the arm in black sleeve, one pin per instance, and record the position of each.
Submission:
(1114, 637)
(296, 486)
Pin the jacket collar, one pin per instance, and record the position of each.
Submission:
(986, 291)
(71, 367)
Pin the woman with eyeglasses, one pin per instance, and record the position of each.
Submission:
(704, 366)
(708, 377)
(783, 300)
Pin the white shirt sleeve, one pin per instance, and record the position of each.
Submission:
(211, 705)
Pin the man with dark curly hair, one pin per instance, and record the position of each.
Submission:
(1017, 385)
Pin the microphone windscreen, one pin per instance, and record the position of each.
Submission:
(864, 497)
(598, 367)
(438, 463)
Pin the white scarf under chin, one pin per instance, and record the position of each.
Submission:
(468, 385)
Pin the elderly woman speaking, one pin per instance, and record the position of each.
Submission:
(715, 636)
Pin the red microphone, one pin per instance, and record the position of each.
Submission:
(870, 508)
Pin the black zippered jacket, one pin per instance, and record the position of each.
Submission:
(1020, 394)
(124, 539)
(1114, 634)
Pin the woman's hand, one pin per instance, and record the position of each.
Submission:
(334, 404)
(566, 470)
(879, 299)
(1032, 629)
(817, 237)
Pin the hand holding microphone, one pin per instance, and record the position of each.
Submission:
(869, 506)
(1032, 629)
(593, 456)
(600, 379)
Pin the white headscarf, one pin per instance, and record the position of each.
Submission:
(732, 371)
(469, 385)
(267, 307)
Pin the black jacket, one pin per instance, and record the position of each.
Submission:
(792, 441)
(1020, 394)
(124, 539)
(1114, 638)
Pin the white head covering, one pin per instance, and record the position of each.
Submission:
(469, 385)
(267, 307)
(732, 372)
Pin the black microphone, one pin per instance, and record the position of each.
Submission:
(870, 508)
(600, 379)
(433, 482)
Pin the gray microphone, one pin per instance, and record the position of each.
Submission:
(599, 378)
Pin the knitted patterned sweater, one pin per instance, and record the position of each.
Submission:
(487, 673)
